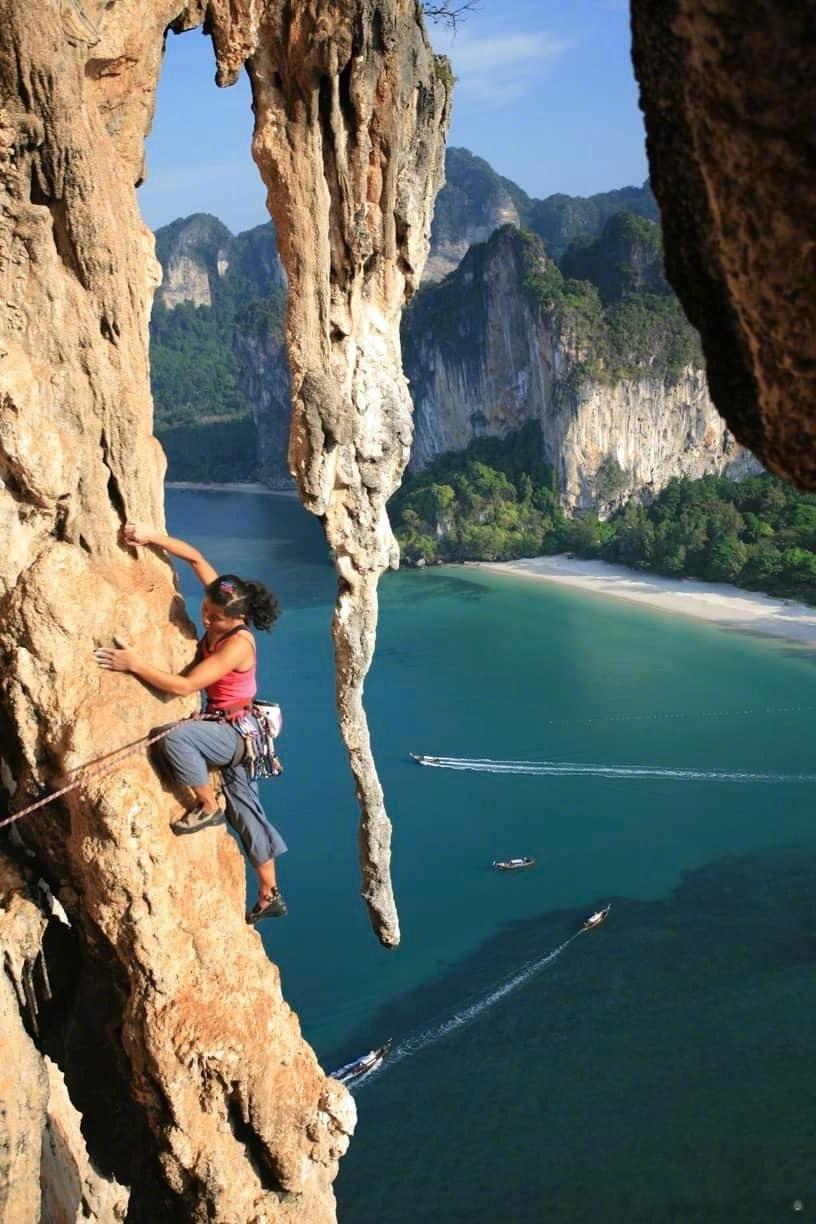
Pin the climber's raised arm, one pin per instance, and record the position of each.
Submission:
(138, 533)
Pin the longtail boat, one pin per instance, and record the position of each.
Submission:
(354, 1071)
(594, 920)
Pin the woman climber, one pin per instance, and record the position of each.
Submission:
(224, 668)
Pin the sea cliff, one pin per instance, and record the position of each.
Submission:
(617, 387)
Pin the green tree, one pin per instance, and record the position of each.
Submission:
(763, 567)
(585, 535)
(799, 569)
(433, 502)
(726, 559)
(633, 540)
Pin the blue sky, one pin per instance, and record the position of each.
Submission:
(545, 93)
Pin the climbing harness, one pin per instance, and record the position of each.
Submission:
(258, 723)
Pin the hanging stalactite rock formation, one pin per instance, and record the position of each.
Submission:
(196, 1088)
(360, 159)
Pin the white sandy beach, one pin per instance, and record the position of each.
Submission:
(725, 605)
(246, 486)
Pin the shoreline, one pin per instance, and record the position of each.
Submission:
(728, 606)
(236, 486)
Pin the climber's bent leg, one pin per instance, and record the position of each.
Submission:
(194, 748)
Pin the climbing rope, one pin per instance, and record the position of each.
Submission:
(98, 768)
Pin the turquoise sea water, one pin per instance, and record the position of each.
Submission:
(656, 1070)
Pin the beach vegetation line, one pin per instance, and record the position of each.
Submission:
(498, 501)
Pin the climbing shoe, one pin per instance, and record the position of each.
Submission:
(273, 906)
(196, 819)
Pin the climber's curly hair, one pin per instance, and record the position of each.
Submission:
(241, 597)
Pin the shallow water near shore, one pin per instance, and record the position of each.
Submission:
(651, 1070)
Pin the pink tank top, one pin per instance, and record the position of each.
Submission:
(237, 686)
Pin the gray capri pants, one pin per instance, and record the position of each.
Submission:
(195, 747)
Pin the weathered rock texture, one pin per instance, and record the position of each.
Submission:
(72, 1189)
(196, 1088)
(23, 1077)
(485, 357)
(728, 91)
(352, 176)
(45, 1171)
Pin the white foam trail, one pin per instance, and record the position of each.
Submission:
(435, 1032)
(587, 769)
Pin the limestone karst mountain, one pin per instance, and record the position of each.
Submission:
(475, 201)
(203, 263)
(607, 366)
(218, 353)
(219, 364)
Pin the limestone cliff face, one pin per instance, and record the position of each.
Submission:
(196, 1088)
(645, 430)
(484, 356)
(241, 277)
(203, 261)
(193, 254)
(474, 202)
(45, 1170)
(237, 273)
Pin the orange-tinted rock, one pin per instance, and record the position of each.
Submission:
(188, 1028)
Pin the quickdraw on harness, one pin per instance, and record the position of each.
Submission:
(259, 733)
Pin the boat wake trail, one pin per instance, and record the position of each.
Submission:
(435, 1031)
(555, 769)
